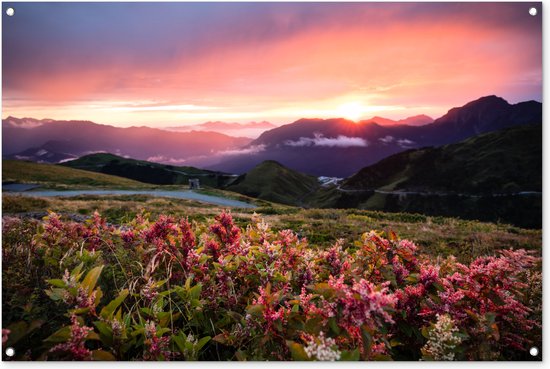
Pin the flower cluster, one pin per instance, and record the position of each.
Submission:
(442, 340)
(75, 348)
(179, 289)
(321, 348)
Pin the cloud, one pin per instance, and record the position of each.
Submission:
(321, 141)
(265, 47)
(251, 150)
(386, 140)
(166, 160)
(404, 143)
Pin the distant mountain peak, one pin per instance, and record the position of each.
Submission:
(415, 120)
(492, 100)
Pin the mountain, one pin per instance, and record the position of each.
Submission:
(339, 148)
(494, 176)
(50, 152)
(417, 120)
(144, 143)
(57, 176)
(273, 182)
(148, 172)
(484, 115)
(251, 129)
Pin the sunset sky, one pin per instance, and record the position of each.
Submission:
(173, 64)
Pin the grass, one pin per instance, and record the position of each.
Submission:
(58, 177)
(148, 172)
(273, 182)
(437, 236)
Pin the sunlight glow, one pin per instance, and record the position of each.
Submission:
(352, 111)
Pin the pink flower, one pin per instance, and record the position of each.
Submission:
(75, 347)
(364, 303)
(227, 232)
(5, 334)
(428, 275)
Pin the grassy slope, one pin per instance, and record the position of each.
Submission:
(507, 161)
(435, 235)
(504, 161)
(273, 182)
(57, 176)
(148, 172)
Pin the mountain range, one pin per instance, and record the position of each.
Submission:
(319, 147)
(496, 176)
(250, 129)
(417, 120)
(29, 138)
(339, 147)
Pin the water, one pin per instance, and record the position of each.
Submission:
(189, 195)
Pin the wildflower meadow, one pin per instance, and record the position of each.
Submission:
(174, 289)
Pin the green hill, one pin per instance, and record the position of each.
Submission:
(55, 176)
(495, 176)
(505, 161)
(273, 182)
(148, 172)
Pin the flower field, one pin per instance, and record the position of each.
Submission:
(173, 289)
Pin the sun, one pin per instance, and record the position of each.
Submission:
(351, 111)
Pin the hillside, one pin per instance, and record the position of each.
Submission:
(148, 172)
(495, 177)
(505, 161)
(273, 182)
(58, 176)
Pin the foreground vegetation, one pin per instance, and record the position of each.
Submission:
(438, 236)
(180, 288)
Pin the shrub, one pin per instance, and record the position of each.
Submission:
(172, 289)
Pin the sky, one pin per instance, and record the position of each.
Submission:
(169, 64)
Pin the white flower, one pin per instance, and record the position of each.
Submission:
(442, 339)
(322, 349)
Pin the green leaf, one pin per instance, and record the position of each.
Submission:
(107, 311)
(313, 325)
(80, 311)
(91, 278)
(425, 332)
(256, 310)
(323, 289)
(93, 336)
(195, 291)
(61, 335)
(334, 326)
(367, 340)
(297, 351)
(350, 355)
(57, 283)
(105, 332)
(18, 330)
(240, 355)
(381, 357)
(100, 355)
(56, 294)
(180, 342)
(161, 331)
(203, 341)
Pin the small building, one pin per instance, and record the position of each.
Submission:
(194, 184)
